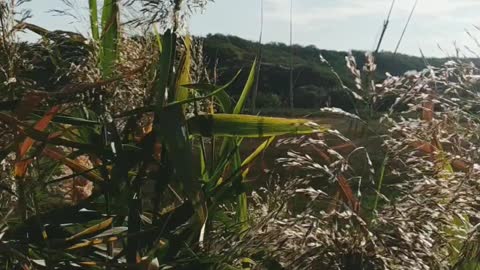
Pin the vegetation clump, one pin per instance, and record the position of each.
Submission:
(114, 160)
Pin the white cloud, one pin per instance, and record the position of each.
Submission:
(353, 24)
(308, 12)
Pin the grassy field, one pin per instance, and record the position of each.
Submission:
(115, 160)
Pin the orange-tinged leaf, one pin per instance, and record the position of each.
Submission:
(41, 125)
(460, 165)
(73, 165)
(93, 229)
(23, 129)
(88, 264)
(93, 242)
(424, 147)
(334, 202)
(346, 147)
(322, 154)
(22, 165)
(347, 193)
(21, 168)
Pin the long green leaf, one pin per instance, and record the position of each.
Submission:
(174, 133)
(241, 170)
(250, 126)
(260, 149)
(110, 36)
(219, 168)
(181, 93)
(225, 101)
(230, 143)
(158, 38)
(94, 19)
(164, 67)
(246, 90)
(203, 162)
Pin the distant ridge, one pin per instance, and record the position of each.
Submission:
(315, 84)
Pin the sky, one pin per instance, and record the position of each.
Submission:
(326, 24)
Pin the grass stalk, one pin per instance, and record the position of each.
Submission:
(94, 20)
(380, 182)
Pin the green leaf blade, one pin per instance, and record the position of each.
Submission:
(250, 126)
(246, 90)
(110, 36)
(94, 20)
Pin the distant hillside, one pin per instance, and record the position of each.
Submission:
(315, 84)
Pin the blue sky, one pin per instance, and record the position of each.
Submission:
(327, 24)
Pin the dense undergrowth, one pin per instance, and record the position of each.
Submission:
(128, 155)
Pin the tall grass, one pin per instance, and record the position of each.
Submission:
(137, 130)
(125, 151)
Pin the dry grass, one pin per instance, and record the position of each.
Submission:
(318, 218)
(311, 222)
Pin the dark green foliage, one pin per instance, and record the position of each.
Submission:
(268, 100)
(314, 81)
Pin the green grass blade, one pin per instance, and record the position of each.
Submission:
(158, 38)
(219, 168)
(242, 214)
(181, 92)
(164, 68)
(242, 211)
(203, 161)
(380, 182)
(110, 36)
(246, 90)
(260, 149)
(94, 19)
(174, 133)
(225, 101)
(250, 126)
(242, 198)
